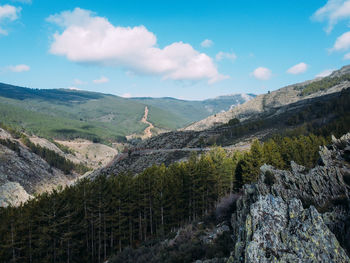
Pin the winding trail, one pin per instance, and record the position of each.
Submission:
(147, 132)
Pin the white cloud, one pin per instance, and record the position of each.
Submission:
(298, 69)
(207, 43)
(101, 80)
(342, 42)
(89, 39)
(262, 73)
(346, 56)
(333, 12)
(324, 73)
(223, 55)
(126, 95)
(8, 12)
(19, 68)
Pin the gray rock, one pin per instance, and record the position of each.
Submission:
(297, 215)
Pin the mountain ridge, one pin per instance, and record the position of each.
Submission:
(283, 96)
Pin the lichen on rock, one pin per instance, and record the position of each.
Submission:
(297, 215)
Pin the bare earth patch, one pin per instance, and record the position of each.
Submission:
(92, 154)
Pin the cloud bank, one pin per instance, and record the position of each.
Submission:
(90, 39)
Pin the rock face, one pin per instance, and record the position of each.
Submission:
(298, 215)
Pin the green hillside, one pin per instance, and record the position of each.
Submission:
(67, 114)
(191, 110)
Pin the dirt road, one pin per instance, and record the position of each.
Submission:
(147, 132)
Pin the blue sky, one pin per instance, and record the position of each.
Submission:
(158, 48)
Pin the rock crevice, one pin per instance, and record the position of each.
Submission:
(297, 215)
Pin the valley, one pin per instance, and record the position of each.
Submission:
(160, 188)
(174, 131)
(284, 111)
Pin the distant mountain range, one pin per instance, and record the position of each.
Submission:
(67, 114)
(192, 110)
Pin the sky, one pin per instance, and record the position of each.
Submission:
(193, 49)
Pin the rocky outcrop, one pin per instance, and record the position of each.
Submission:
(297, 215)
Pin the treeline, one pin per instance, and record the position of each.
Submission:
(94, 219)
(54, 159)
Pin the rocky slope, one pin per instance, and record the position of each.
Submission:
(298, 215)
(269, 101)
(23, 174)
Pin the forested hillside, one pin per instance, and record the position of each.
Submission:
(92, 220)
(69, 114)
